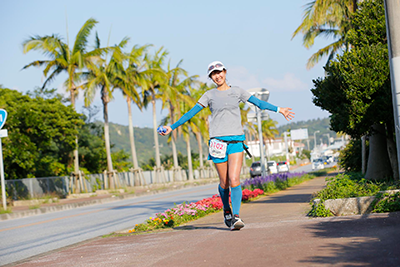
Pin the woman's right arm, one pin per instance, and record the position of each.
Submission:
(187, 116)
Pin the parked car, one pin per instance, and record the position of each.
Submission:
(318, 164)
(283, 166)
(272, 167)
(255, 169)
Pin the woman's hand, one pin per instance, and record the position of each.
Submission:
(168, 130)
(287, 113)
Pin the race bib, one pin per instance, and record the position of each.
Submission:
(217, 148)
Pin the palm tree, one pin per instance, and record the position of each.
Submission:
(269, 130)
(186, 130)
(63, 59)
(156, 84)
(103, 75)
(199, 124)
(175, 92)
(329, 18)
(132, 76)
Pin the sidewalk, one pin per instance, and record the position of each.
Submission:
(277, 233)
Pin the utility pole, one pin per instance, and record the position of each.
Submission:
(262, 94)
(392, 12)
(315, 140)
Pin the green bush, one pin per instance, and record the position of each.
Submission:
(319, 210)
(354, 185)
(348, 185)
(388, 203)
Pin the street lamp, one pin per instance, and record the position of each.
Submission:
(262, 94)
(315, 140)
(329, 138)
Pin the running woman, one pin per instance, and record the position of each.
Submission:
(226, 136)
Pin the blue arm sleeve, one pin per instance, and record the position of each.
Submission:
(262, 104)
(187, 116)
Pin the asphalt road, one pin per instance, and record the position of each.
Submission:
(30, 236)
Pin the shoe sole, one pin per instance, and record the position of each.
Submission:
(237, 226)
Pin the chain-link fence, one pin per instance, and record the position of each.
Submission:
(62, 186)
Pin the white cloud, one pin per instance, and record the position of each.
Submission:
(289, 83)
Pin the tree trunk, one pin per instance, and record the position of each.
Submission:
(105, 98)
(199, 142)
(132, 135)
(189, 155)
(392, 151)
(158, 160)
(363, 154)
(76, 154)
(378, 167)
(173, 138)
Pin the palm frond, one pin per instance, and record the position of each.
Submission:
(327, 50)
(82, 36)
(37, 63)
(52, 76)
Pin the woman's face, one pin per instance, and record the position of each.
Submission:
(219, 77)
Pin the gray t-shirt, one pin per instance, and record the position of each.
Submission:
(225, 116)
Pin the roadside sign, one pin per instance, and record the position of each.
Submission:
(3, 133)
(3, 117)
(299, 134)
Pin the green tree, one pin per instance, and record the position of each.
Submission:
(328, 18)
(64, 58)
(157, 81)
(130, 77)
(175, 92)
(121, 161)
(42, 135)
(92, 153)
(269, 131)
(356, 90)
(199, 124)
(102, 75)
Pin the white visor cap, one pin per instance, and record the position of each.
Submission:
(216, 65)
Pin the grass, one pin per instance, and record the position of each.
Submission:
(8, 210)
(351, 185)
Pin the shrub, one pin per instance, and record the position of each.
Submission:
(347, 185)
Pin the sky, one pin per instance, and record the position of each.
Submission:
(252, 38)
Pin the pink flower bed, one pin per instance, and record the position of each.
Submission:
(247, 194)
(186, 212)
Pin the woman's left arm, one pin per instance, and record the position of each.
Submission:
(286, 112)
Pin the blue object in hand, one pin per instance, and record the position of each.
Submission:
(161, 129)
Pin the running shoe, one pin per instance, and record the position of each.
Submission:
(237, 223)
(228, 217)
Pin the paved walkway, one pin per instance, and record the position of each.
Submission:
(277, 233)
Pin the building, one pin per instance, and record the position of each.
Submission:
(275, 147)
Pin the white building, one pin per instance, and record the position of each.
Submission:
(275, 147)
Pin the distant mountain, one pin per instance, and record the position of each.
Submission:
(144, 142)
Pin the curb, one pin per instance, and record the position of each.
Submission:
(68, 206)
(351, 206)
